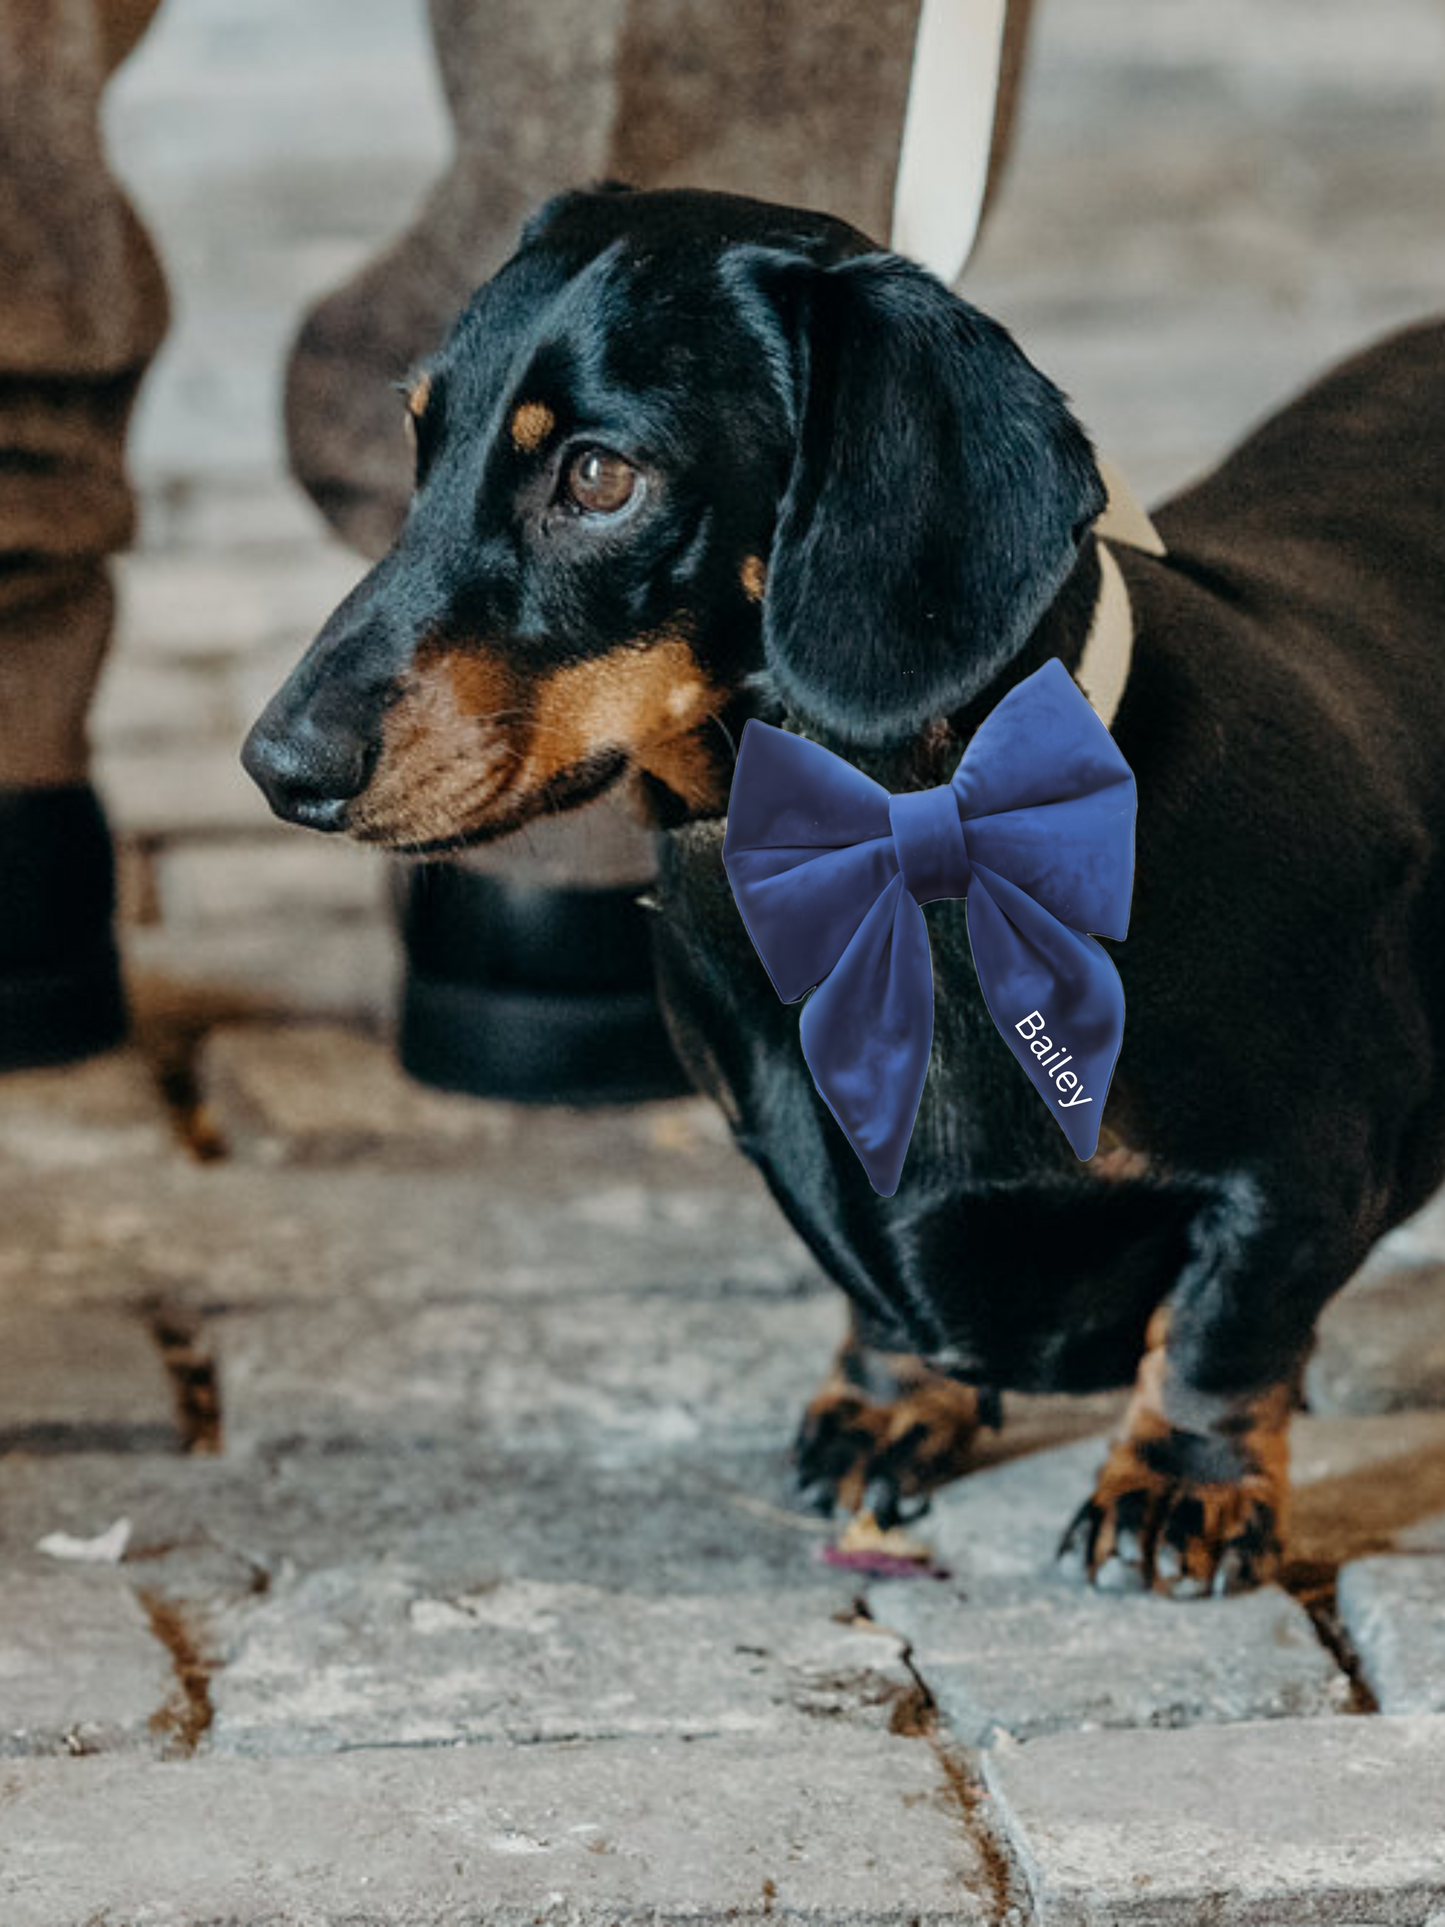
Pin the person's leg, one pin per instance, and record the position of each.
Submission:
(82, 312)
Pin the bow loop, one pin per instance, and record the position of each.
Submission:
(929, 841)
(1036, 829)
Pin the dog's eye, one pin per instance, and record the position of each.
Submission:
(599, 481)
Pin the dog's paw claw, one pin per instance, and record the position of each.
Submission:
(1148, 1527)
(815, 1495)
(889, 1506)
(1076, 1541)
(884, 1455)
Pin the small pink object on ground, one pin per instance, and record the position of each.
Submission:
(884, 1553)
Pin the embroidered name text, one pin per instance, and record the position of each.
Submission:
(1052, 1059)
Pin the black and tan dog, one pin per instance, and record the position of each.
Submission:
(687, 459)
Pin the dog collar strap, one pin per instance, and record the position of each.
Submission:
(1108, 652)
(950, 132)
(1103, 666)
(1124, 520)
(1036, 830)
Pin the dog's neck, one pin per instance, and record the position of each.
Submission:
(1089, 626)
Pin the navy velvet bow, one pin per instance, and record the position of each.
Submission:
(1036, 829)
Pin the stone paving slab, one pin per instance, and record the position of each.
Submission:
(249, 511)
(459, 1517)
(82, 1380)
(1276, 167)
(1277, 1824)
(308, 1094)
(271, 875)
(304, 141)
(155, 704)
(707, 1831)
(1060, 1658)
(103, 1110)
(81, 1670)
(465, 1515)
(376, 1655)
(1393, 1610)
(190, 607)
(316, 1093)
(321, 966)
(1367, 1485)
(560, 1203)
(1381, 1344)
(613, 1375)
(998, 1529)
(198, 787)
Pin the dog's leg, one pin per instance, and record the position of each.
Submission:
(884, 1431)
(1192, 1498)
(1194, 1494)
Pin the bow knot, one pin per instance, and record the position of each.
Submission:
(929, 841)
(1036, 830)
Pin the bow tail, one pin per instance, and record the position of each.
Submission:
(1056, 998)
(867, 1031)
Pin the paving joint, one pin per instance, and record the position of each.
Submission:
(184, 1720)
(172, 1050)
(917, 1716)
(1316, 1589)
(180, 1334)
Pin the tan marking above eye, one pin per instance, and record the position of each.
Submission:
(754, 577)
(532, 423)
(418, 397)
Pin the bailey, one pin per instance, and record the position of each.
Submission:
(1052, 1060)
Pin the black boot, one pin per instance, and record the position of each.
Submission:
(60, 985)
(530, 992)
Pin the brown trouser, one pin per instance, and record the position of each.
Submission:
(82, 308)
(797, 100)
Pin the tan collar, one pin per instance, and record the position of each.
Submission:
(942, 182)
(1103, 668)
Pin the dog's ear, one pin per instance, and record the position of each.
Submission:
(939, 491)
(568, 201)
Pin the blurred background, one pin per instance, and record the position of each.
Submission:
(1205, 204)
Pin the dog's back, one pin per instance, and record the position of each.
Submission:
(1330, 517)
(1284, 716)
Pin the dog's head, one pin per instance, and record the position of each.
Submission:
(678, 440)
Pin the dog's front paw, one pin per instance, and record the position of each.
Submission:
(883, 1433)
(1181, 1513)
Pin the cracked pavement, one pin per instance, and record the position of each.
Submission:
(406, 1537)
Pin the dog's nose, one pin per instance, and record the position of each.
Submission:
(307, 771)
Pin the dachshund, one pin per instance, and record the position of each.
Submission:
(688, 459)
